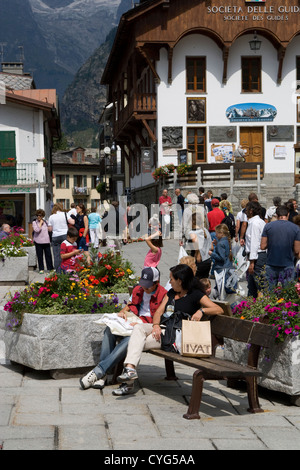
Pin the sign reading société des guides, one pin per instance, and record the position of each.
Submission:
(256, 10)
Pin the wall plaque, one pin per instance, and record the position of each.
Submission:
(222, 134)
(280, 133)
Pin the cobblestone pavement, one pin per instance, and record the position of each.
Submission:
(40, 413)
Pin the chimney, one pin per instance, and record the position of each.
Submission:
(16, 68)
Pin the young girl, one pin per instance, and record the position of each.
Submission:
(154, 254)
(221, 255)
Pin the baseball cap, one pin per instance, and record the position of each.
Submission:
(148, 277)
(215, 202)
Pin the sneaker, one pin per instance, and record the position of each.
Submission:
(88, 380)
(41, 271)
(127, 375)
(124, 389)
(100, 383)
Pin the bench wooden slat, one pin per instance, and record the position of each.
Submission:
(244, 330)
(209, 365)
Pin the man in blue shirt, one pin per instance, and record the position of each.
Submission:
(282, 240)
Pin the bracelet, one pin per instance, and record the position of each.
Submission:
(201, 310)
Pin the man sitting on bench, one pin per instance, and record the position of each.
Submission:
(186, 296)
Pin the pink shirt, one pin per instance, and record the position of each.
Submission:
(152, 259)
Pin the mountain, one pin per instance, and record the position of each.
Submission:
(84, 98)
(57, 36)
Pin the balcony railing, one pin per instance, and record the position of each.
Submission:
(21, 174)
(139, 103)
(81, 191)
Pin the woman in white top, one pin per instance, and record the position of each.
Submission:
(58, 225)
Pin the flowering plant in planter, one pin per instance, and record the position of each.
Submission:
(10, 251)
(282, 307)
(109, 270)
(89, 290)
(13, 244)
(162, 171)
(183, 169)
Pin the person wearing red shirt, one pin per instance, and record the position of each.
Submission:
(165, 205)
(214, 217)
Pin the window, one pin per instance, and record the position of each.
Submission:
(298, 73)
(62, 181)
(7, 144)
(196, 142)
(64, 202)
(80, 181)
(195, 74)
(251, 74)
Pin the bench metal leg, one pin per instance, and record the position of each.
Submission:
(170, 370)
(196, 397)
(252, 389)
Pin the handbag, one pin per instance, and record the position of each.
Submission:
(172, 325)
(196, 339)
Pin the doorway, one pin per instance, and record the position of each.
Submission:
(252, 140)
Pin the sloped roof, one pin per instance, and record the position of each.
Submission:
(17, 82)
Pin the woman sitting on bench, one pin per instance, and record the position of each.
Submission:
(186, 296)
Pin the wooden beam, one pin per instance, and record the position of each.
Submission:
(225, 63)
(149, 62)
(151, 134)
(170, 65)
(280, 55)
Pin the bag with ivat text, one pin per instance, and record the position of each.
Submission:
(172, 325)
(196, 338)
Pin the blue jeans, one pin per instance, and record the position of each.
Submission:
(255, 282)
(275, 274)
(113, 350)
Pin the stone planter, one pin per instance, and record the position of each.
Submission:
(281, 370)
(32, 258)
(61, 343)
(14, 270)
(53, 342)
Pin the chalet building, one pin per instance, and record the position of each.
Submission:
(193, 81)
(75, 177)
(29, 123)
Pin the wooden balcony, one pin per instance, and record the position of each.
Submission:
(139, 106)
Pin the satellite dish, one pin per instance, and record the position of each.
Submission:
(107, 150)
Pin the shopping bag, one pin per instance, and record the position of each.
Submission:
(196, 338)
(181, 253)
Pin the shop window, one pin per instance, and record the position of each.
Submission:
(196, 74)
(196, 143)
(251, 74)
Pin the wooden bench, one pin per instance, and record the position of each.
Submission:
(258, 335)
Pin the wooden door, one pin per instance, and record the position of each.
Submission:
(252, 140)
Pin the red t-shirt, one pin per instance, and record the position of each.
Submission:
(67, 247)
(162, 200)
(215, 218)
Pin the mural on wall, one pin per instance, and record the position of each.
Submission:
(251, 112)
(171, 137)
(196, 110)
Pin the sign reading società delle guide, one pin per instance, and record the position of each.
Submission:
(255, 1)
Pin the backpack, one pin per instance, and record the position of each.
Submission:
(172, 323)
(229, 221)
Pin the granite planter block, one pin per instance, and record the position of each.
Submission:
(281, 370)
(14, 270)
(51, 342)
(32, 258)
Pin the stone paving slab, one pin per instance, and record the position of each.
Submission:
(40, 413)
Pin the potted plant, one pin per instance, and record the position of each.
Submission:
(183, 169)
(280, 364)
(163, 171)
(101, 187)
(8, 162)
(51, 325)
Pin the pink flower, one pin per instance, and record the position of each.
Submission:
(54, 296)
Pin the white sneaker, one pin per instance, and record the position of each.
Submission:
(88, 380)
(100, 383)
(124, 389)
